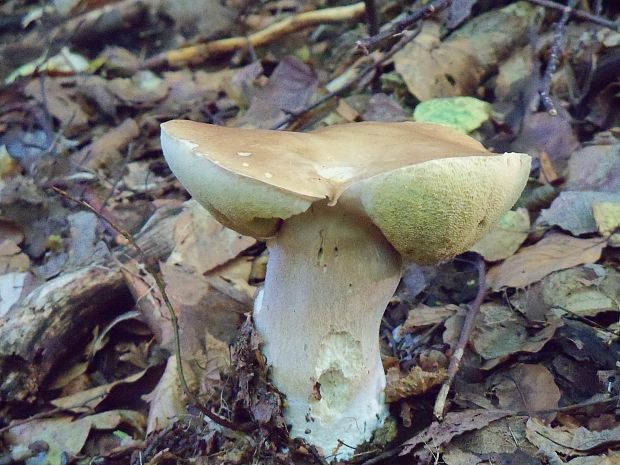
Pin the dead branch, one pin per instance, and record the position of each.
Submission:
(468, 325)
(584, 15)
(397, 27)
(200, 52)
(552, 62)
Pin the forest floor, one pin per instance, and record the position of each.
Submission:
(88, 356)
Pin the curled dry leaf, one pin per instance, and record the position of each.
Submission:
(90, 398)
(554, 252)
(416, 382)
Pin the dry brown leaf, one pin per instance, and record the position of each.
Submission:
(528, 388)
(202, 243)
(417, 381)
(554, 252)
(432, 68)
(454, 424)
(90, 398)
(167, 400)
(423, 315)
(60, 103)
(569, 439)
(105, 151)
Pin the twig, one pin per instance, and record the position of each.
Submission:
(593, 18)
(173, 317)
(372, 20)
(468, 326)
(552, 62)
(397, 27)
(201, 52)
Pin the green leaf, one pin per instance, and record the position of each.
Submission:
(462, 113)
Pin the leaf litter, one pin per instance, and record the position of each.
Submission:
(88, 367)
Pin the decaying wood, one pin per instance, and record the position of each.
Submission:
(51, 321)
(200, 52)
(59, 315)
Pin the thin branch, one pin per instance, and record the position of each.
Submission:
(153, 271)
(372, 19)
(201, 52)
(552, 62)
(584, 15)
(397, 27)
(466, 330)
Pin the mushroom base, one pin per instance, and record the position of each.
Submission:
(329, 278)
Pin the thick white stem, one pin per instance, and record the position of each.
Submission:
(329, 278)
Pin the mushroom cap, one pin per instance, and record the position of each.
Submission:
(432, 191)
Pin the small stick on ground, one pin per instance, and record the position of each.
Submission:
(397, 27)
(580, 14)
(468, 325)
(150, 268)
(200, 52)
(552, 62)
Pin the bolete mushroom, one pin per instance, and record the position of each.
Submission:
(340, 206)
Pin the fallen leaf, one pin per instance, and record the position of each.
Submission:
(167, 400)
(552, 253)
(607, 218)
(528, 388)
(66, 437)
(585, 291)
(569, 440)
(417, 381)
(90, 398)
(573, 211)
(61, 105)
(143, 89)
(453, 424)
(106, 150)
(505, 238)
(289, 89)
(461, 113)
(423, 315)
(383, 107)
(202, 243)
(501, 332)
(595, 168)
(433, 68)
(612, 458)
(553, 135)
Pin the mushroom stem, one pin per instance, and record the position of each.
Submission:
(329, 278)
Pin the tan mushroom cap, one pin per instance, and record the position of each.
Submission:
(431, 190)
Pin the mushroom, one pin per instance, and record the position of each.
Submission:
(340, 208)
